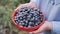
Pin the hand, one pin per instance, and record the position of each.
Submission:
(44, 27)
(31, 5)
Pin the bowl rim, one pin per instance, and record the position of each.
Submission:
(24, 28)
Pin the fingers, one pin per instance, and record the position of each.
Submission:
(41, 29)
(32, 33)
(31, 5)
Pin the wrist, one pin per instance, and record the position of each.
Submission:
(49, 25)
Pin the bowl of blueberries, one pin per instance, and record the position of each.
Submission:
(27, 18)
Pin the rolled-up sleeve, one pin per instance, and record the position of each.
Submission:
(56, 27)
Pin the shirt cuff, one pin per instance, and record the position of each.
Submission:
(56, 27)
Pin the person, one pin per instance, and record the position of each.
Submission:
(51, 10)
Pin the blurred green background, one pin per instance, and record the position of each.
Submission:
(6, 9)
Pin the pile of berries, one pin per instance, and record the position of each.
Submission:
(28, 17)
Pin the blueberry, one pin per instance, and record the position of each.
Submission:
(33, 18)
(29, 26)
(28, 12)
(26, 21)
(16, 21)
(36, 18)
(36, 24)
(32, 25)
(28, 17)
(20, 11)
(23, 23)
(26, 8)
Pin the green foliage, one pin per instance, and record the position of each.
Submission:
(6, 9)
